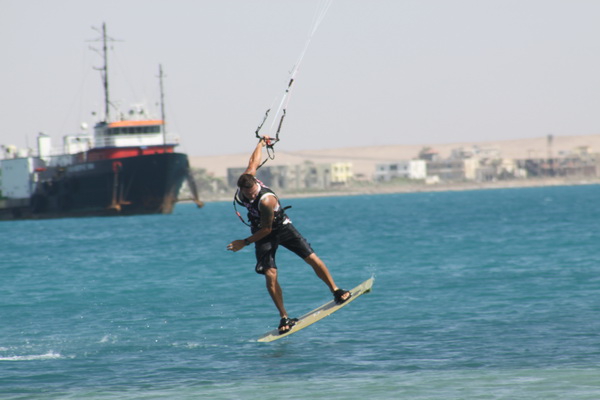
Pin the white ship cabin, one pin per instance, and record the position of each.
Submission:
(77, 143)
(131, 134)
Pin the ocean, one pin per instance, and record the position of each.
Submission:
(489, 294)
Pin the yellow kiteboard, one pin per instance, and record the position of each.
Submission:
(319, 313)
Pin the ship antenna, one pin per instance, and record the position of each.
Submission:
(104, 69)
(162, 104)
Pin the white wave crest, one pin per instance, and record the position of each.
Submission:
(48, 356)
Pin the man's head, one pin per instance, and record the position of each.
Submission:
(248, 186)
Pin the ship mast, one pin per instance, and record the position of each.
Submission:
(104, 69)
(105, 74)
(162, 104)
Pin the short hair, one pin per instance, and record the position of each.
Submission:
(246, 181)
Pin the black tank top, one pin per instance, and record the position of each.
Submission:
(280, 218)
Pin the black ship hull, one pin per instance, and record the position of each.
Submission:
(145, 184)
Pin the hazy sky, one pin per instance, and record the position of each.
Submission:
(377, 72)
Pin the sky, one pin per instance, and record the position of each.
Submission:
(376, 72)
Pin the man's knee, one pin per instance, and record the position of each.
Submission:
(314, 260)
(270, 274)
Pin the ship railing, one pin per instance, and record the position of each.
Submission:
(136, 140)
(35, 153)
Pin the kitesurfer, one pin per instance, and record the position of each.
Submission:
(270, 228)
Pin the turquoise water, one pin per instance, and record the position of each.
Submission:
(491, 294)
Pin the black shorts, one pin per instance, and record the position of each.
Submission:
(287, 236)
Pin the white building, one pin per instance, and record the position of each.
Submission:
(410, 169)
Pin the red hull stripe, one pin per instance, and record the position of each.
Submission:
(125, 152)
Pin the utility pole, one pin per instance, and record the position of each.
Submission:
(550, 155)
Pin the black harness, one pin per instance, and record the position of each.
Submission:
(254, 211)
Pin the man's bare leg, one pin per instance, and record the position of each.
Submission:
(323, 272)
(275, 291)
(277, 296)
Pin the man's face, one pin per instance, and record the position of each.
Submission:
(251, 192)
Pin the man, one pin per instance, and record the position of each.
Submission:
(270, 228)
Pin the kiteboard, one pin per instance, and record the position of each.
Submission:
(319, 313)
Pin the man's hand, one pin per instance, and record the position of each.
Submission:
(236, 245)
(254, 162)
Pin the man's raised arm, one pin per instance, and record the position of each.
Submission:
(255, 158)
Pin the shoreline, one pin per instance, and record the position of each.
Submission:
(421, 188)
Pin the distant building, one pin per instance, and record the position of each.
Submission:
(447, 170)
(410, 169)
(296, 177)
(572, 165)
(322, 176)
(497, 169)
(276, 177)
(481, 153)
(471, 168)
(341, 173)
(428, 154)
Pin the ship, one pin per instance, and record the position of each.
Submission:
(128, 166)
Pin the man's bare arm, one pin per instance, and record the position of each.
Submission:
(267, 215)
(255, 157)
